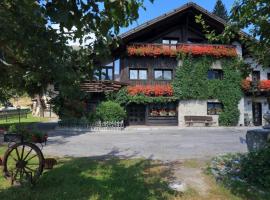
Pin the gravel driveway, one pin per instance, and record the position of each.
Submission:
(163, 144)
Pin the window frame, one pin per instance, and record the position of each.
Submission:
(138, 74)
(214, 104)
(170, 41)
(217, 71)
(99, 75)
(162, 71)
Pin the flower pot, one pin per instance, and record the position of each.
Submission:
(49, 163)
(39, 140)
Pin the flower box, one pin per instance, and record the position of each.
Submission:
(151, 90)
(155, 50)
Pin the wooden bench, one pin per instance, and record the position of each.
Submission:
(207, 120)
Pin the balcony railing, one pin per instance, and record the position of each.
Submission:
(155, 50)
(102, 86)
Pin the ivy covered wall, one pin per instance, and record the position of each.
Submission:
(191, 82)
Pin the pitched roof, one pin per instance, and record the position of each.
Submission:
(174, 12)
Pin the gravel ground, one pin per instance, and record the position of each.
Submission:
(161, 143)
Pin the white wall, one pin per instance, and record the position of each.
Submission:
(194, 108)
(256, 67)
(241, 108)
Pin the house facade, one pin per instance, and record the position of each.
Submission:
(147, 61)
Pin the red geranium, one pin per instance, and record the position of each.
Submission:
(194, 49)
(246, 84)
(151, 90)
(264, 85)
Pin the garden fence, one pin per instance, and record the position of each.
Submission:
(97, 126)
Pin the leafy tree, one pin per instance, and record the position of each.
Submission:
(249, 15)
(254, 16)
(33, 53)
(220, 10)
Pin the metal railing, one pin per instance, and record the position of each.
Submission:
(16, 113)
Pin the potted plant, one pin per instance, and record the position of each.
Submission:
(13, 134)
(163, 113)
(39, 137)
(154, 113)
(172, 113)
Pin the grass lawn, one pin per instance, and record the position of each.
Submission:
(24, 121)
(108, 179)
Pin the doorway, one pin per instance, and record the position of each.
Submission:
(257, 113)
(136, 114)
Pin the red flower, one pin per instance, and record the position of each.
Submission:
(149, 90)
(264, 85)
(246, 84)
(194, 49)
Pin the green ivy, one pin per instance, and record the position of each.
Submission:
(123, 98)
(191, 82)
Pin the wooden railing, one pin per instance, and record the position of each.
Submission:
(102, 86)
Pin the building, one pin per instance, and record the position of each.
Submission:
(146, 62)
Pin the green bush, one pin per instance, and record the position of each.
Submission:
(110, 111)
(255, 168)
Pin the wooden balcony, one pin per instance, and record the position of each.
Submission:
(102, 86)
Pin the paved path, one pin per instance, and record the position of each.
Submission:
(164, 144)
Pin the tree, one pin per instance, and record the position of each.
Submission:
(253, 16)
(220, 10)
(250, 15)
(33, 53)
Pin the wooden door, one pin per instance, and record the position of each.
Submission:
(257, 113)
(136, 114)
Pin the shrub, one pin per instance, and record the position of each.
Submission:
(110, 111)
(255, 168)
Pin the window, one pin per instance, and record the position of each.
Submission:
(138, 74)
(105, 73)
(162, 110)
(170, 41)
(162, 74)
(256, 76)
(214, 108)
(215, 74)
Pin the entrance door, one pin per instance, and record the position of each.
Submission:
(136, 114)
(257, 113)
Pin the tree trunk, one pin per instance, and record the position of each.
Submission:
(38, 109)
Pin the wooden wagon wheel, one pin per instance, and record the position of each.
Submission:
(23, 163)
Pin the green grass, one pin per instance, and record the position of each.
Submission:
(109, 179)
(24, 121)
(85, 178)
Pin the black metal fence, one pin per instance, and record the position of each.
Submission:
(16, 113)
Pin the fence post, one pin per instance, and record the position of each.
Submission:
(19, 115)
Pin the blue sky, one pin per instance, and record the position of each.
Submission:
(160, 7)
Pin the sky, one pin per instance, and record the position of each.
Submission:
(160, 7)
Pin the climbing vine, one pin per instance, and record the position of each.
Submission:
(191, 82)
(124, 98)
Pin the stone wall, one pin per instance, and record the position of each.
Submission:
(194, 108)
